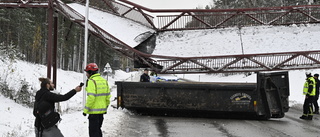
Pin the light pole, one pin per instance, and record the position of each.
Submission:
(85, 51)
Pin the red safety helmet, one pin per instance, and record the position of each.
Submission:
(92, 67)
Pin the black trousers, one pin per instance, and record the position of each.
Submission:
(315, 103)
(308, 106)
(95, 123)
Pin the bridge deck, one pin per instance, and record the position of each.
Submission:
(121, 28)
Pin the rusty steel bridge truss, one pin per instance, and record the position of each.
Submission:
(186, 20)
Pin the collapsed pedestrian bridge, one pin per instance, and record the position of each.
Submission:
(200, 41)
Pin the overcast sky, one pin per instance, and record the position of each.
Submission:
(173, 4)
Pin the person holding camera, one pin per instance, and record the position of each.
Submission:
(44, 109)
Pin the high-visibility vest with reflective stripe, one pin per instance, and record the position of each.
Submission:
(98, 95)
(306, 87)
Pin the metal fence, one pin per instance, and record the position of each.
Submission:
(242, 63)
(240, 18)
(219, 18)
(121, 10)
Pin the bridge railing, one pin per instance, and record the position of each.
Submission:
(215, 64)
(134, 14)
(219, 18)
(93, 28)
(240, 17)
(242, 63)
(23, 3)
(122, 10)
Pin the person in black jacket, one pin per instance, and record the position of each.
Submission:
(316, 97)
(50, 98)
(145, 76)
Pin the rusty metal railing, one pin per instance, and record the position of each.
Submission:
(219, 18)
(100, 33)
(242, 63)
(134, 14)
(93, 28)
(24, 3)
(240, 17)
(122, 10)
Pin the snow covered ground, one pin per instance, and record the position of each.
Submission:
(229, 41)
(17, 120)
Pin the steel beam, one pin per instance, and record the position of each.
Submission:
(50, 39)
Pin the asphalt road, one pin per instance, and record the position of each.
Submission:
(154, 126)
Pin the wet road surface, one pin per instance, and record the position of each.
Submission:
(154, 126)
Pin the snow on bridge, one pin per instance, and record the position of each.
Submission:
(210, 42)
(179, 51)
(119, 27)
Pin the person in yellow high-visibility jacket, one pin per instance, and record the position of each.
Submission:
(98, 99)
(309, 90)
(316, 97)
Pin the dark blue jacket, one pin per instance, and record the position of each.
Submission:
(144, 78)
(51, 98)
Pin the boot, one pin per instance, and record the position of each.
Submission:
(309, 117)
(303, 117)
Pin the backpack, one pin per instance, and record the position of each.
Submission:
(45, 113)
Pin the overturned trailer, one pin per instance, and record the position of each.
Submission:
(268, 98)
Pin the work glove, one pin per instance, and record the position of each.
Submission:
(84, 114)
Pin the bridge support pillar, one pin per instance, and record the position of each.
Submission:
(49, 42)
(55, 47)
